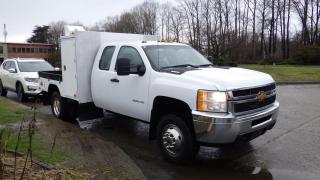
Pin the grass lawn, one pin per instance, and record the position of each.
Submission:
(288, 72)
(10, 113)
(41, 148)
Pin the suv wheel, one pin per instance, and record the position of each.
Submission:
(175, 139)
(3, 91)
(22, 97)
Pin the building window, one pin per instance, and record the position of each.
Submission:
(9, 49)
(14, 50)
(40, 50)
(45, 50)
(19, 50)
(32, 50)
(36, 50)
(23, 50)
(1, 49)
(49, 50)
(28, 50)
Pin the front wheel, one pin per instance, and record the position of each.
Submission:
(175, 139)
(22, 97)
(3, 91)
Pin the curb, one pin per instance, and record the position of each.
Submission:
(297, 82)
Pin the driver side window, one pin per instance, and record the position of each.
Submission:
(133, 55)
(13, 66)
(7, 65)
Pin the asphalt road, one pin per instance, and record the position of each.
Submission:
(291, 150)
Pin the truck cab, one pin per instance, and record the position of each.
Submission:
(186, 99)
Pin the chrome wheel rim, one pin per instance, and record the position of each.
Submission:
(172, 139)
(56, 106)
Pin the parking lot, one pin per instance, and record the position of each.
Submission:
(289, 151)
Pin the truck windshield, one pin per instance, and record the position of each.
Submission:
(166, 56)
(34, 66)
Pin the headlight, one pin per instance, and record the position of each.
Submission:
(212, 101)
(35, 80)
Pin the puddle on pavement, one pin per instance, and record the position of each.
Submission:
(90, 124)
(211, 163)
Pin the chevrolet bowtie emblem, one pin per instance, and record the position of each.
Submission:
(261, 96)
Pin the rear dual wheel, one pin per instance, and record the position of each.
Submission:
(62, 109)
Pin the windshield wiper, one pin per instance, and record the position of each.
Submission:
(205, 65)
(181, 65)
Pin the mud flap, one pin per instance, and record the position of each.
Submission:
(88, 111)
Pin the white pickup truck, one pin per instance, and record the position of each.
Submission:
(187, 101)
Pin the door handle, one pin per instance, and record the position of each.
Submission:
(114, 80)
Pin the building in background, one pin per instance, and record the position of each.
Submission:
(25, 50)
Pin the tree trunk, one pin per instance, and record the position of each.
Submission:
(288, 27)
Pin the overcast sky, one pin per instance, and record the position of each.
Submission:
(21, 16)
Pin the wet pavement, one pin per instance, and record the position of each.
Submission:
(291, 150)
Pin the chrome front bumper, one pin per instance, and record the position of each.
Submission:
(215, 128)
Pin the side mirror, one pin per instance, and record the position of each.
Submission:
(12, 70)
(123, 66)
(141, 69)
(210, 58)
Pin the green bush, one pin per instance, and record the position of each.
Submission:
(308, 55)
(222, 62)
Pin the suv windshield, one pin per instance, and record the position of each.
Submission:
(34, 66)
(166, 56)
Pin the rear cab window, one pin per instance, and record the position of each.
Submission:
(106, 58)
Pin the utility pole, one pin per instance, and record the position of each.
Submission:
(5, 32)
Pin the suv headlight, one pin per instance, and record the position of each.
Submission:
(35, 80)
(212, 101)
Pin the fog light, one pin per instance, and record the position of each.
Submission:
(31, 88)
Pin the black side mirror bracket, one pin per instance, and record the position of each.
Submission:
(141, 69)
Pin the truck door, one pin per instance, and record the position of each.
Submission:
(125, 95)
(101, 89)
(132, 90)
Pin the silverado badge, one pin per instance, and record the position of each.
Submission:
(261, 96)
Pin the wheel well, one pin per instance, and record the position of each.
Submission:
(47, 98)
(163, 105)
(52, 88)
(18, 82)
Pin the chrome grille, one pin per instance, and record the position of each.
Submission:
(244, 101)
(253, 91)
(252, 105)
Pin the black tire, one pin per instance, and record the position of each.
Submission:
(3, 91)
(22, 97)
(61, 108)
(168, 126)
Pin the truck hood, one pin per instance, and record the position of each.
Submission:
(229, 78)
